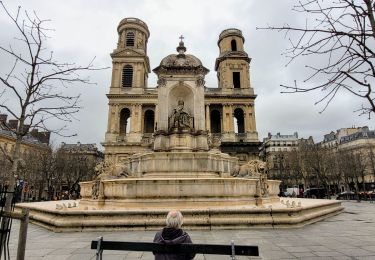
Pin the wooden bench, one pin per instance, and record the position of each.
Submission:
(99, 245)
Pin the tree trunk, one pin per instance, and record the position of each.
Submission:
(13, 174)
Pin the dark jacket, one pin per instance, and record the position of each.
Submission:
(172, 236)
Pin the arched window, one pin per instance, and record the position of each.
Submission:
(125, 121)
(127, 76)
(239, 122)
(236, 80)
(149, 120)
(130, 39)
(215, 121)
(233, 44)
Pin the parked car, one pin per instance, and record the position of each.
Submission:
(367, 195)
(347, 195)
(315, 193)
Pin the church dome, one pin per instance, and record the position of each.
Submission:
(178, 60)
(181, 61)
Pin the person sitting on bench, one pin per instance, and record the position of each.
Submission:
(173, 234)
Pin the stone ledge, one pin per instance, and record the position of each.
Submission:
(236, 217)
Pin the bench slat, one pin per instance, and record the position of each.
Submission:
(181, 248)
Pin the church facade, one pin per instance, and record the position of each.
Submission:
(140, 117)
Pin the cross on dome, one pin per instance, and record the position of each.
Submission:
(181, 47)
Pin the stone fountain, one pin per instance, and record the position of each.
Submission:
(184, 170)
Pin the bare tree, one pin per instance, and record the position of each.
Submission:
(293, 164)
(5, 167)
(316, 164)
(33, 91)
(341, 33)
(371, 161)
(335, 175)
(74, 167)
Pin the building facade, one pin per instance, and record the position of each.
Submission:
(358, 142)
(134, 118)
(33, 142)
(273, 149)
(343, 160)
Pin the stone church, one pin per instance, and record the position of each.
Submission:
(143, 118)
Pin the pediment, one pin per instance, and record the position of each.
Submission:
(126, 52)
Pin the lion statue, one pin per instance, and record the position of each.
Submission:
(106, 170)
(109, 170)
(252, 169)
(256, 169)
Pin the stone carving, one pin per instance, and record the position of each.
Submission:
(140, 42)
(102, 169)
(95, 190)
(214, 142)
(109, 170)
(254, 169)
(106, 170)
(200, 82)
(179, 118)
(162, 82)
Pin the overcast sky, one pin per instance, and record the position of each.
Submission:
(84, 29)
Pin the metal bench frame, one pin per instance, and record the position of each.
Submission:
(99, 245)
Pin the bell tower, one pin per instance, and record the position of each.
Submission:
(233, 63)
(131, 64)
(130, 116)
(230, 109)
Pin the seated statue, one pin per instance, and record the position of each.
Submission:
(179, 118)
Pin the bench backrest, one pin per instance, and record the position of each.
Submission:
(232, 250)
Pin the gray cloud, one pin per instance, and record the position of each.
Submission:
(85, 29)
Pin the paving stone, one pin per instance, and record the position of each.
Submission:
(319, 248)
(296, 249)
(81, 257)
(303, 254)
(347, 236)
(356, 252)
(57, 257)
(344, 257)
(62, 251)
(328, 253)
(275, 254)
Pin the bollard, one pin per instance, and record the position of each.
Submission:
(23, 235)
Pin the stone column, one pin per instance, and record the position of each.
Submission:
(116, 120)
(248, 123)
(208, 119)
(133, 120)
(231, 121)
(225, 118)
(156, 119)
(109, 125)
(227, 133)
(136, 126)
(253, 123)
(116, 75)
(140, 118)
(113, 118)
(138, 72)
(135, 134)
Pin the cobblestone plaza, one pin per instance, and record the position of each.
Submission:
(349, 235)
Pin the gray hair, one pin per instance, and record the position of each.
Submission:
(174, 219)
